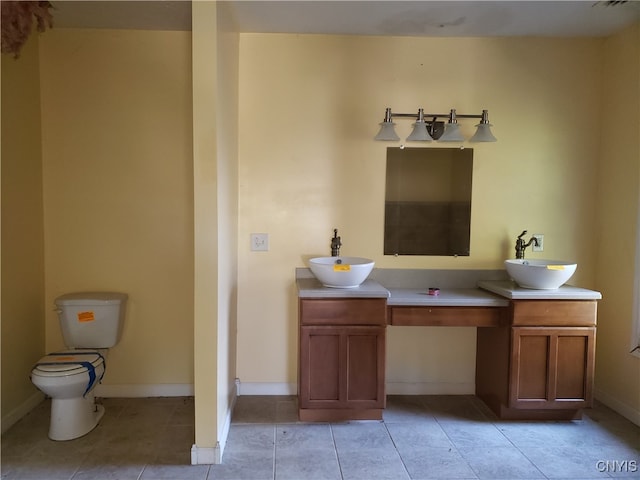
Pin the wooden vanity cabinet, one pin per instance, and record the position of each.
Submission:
(542, 364)
(342, 359)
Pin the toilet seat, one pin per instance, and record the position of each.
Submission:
(74, 362)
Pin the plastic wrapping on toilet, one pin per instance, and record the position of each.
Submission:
(64, 363)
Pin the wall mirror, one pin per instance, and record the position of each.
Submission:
(428, 201)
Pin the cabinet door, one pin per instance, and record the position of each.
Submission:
(365, 367)
(342, 367)
(552, 367)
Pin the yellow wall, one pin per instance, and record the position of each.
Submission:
(618, 372)
(23, 336)
(118, 190)
(309, 108)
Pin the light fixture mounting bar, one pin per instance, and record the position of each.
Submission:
(435, 115)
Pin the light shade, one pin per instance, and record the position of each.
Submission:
(419, 133)
(483, 133)
(387, 132)
(451, 133)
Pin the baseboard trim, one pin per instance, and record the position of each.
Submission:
(222, 443)
(206, 455)
(213, 455)
(622, 408)
(11, 418)
(259, 388)
(392, 388)
(145, 390)
(430, 388)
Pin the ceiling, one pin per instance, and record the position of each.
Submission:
(381, 17)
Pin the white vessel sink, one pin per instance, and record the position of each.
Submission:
(540, 274)
(341, 272)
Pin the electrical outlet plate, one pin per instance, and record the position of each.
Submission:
(540, 247)
(259, 242)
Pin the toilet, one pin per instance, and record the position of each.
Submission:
(91, 323)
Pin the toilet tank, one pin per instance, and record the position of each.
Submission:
(91, 319)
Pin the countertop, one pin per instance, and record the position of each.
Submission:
(487, 293)
(449, 297)
(312, 288)
(509, 289)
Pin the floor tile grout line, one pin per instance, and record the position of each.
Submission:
(275, 450)
(335, 449)
(78, 467)
(519, 450)
(455, 447)
(396, 449)
(531, 461)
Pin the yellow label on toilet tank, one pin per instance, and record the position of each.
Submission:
(555, 267)
(65, 359)
(341, 268)
(86, 317)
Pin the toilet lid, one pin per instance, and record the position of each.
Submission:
(68, 363)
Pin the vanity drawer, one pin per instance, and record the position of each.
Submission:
(343, 311)
(447, 316)
(565, 313)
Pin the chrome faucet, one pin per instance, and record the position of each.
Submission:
(521, 245)
(335, 244)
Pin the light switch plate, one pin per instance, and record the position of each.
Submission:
(540, 247)
(259, 242)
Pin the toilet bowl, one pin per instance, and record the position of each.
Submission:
(69, 377)
(91, 323)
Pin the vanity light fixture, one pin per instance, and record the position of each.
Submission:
(429, 130)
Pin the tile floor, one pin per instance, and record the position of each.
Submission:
(422, 437)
